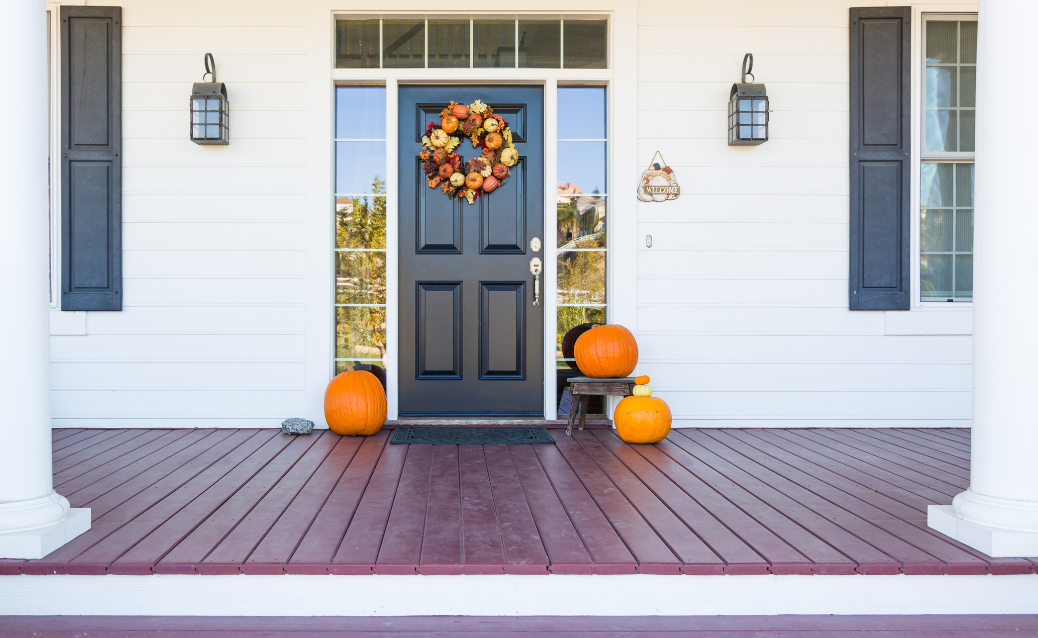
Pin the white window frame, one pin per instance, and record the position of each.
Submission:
(921, 15)
(620, 79)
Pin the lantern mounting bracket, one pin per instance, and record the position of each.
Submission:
(211, 72)
(747, 67)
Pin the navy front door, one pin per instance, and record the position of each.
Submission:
(471, 340)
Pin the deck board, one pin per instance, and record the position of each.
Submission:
(694, 554)
(815, 440)
(738, 557)
(240, 541)
(566, 551)
(520, 539)
(733, 501)
(602, 540)
(441, 542)
(905, 521)
(481, 542)
(884, 538)
(401, 549)
(278, 545)
(358, 550)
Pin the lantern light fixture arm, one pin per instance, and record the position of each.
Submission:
(211, 71)
(747, 68)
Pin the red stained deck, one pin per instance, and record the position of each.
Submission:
(811, 501)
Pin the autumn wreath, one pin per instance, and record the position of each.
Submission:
(479, 175)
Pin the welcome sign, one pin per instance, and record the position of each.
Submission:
(658, 183)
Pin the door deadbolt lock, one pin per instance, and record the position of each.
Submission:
(535, 270)
(535, 244)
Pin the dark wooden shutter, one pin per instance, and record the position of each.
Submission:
(880, 141)
(91, 169)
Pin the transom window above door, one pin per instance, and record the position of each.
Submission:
(470, 43)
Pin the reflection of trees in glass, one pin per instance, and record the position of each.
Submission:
(360, 332)
(360, 223)
(581, 277)
(581, 222)
(571, 316)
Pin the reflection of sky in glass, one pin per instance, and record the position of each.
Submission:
(360, 112)
(357, 164)
(583, 164)
(582, 113)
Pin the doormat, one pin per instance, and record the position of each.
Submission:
(471, 435)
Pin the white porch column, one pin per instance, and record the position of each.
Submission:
(34, 520)
(998, 514)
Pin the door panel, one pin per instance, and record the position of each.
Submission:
(439, 330)
(471, 341)
(502, 319)
(502, 217)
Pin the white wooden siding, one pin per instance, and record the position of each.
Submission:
(742, 313)
(742, 298)
(213, 330)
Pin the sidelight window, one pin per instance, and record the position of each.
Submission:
(471, 43)
(360, 228)
(581, 197)
(946, 173)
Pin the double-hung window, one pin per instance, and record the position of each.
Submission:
(946, 173)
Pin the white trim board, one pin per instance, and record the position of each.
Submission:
(508, 595)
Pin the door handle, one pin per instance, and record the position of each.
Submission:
(535, 269)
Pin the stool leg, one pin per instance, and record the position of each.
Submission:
(585, 401)
(574, 405)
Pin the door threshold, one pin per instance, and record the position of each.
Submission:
(491, 421)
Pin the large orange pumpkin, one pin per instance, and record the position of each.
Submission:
(642, 419)
(606, 352)
(355, 404)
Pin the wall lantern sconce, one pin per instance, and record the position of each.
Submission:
(209, 108)
(747, 110)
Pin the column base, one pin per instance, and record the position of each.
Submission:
(37, 543)
(996, 542)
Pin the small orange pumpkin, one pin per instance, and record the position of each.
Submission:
(642, 419)
(446, 170)
(500, 171)
(473, 180)
(355, 404)
(606, 352)
(449, 124)
(460, 111)
(494, 141)
(489, 183)
(439, 156)
(641, 380)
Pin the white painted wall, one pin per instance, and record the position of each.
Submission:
(741, 302)
(213, 329)
(742, 298)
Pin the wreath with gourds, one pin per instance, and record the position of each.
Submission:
(480, 175)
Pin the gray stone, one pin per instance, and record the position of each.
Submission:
(297, 426)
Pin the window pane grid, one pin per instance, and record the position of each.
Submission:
(360, 226)
(950, 86)
(946, 231)
(946, 187)
(471, 43)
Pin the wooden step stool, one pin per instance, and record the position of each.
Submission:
(586, 387)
